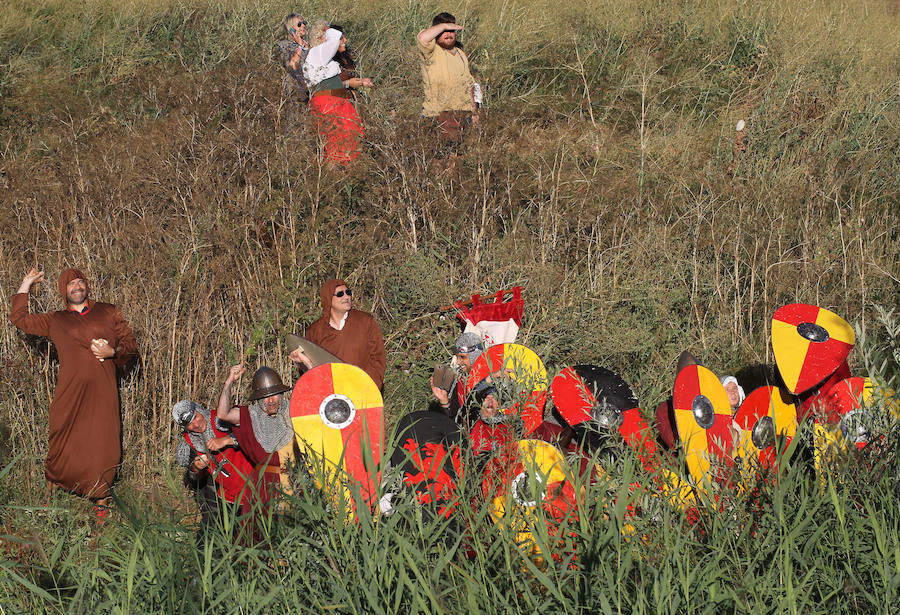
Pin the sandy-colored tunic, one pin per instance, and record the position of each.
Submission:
(85, 423)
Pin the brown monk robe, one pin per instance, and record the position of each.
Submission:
(85, 424)
(358, 343)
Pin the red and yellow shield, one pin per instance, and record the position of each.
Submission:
(843, 420)
(533, 477)
(765, 414)
(337, 414)
(519, 373)
(703, 418)
(582, 392)
(809, 343)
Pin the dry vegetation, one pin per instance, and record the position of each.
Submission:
(142, 141)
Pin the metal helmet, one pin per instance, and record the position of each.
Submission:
(183, 412)
(266, 383)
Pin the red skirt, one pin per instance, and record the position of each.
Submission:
(339, 126)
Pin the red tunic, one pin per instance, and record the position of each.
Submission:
(267, 466)
(85, 424)
(230, 469)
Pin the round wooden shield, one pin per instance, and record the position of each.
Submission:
(847, 396)
(703, 417)
(809, 343)
(519, 376)
(764, 415)
(584, 392)
(336, 410)
(536, 477)
(840, 420)
(428, 454)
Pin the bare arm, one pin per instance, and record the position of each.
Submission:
(429, 34)
(359, 82)
(225, 410)
(296, 59)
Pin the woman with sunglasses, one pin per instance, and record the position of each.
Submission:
(291, 53)
(330, 96)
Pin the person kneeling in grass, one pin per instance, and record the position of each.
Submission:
(218, 479)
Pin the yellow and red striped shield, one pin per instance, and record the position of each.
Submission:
(336, 410)
(516, 364)
(809, 343)
(763, 416)
(703, 418)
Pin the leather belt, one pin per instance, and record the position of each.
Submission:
(340, 93)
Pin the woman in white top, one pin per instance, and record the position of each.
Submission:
(330, 96)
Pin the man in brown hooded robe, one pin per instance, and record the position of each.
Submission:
(91, 340)
(351, 335)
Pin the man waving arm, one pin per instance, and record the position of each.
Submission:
(34, 324)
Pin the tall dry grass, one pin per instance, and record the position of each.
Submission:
(144, 142)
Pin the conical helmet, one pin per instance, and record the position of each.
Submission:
(266, 383)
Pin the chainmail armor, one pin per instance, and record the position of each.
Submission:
(272, 432)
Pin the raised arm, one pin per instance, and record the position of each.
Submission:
(34, 324)
(225, 410)
(427, 35)
(320, 55)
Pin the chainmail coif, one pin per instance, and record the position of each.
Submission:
(272, 432)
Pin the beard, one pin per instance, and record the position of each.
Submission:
(272, 431)
(76, 297)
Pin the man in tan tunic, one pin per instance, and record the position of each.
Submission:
(91, 340)
(449, 96)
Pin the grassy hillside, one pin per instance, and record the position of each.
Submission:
(142, 141)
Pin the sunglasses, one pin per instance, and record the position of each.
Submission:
(341, 293)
